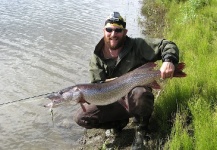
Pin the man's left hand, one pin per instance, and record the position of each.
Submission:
(167, 69)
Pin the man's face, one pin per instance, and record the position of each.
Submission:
(114, 36)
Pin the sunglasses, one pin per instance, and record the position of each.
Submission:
(117, 30)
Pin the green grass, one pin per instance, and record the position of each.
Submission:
(189, 104)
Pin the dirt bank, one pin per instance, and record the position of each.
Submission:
(95, 139)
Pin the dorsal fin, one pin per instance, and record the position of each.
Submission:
(148, 66)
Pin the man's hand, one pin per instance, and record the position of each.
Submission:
(167, 69)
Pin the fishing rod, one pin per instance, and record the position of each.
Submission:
(26, 98)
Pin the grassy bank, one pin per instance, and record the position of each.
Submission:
(186, 111)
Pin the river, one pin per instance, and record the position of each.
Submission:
(45, 45)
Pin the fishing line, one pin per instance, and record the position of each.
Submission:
(26, 98)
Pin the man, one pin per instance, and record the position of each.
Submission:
(115, 55)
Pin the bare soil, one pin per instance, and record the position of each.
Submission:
(95, 139)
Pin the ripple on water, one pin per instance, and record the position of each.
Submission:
(45, 46)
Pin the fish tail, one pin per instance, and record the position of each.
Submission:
(178, 71)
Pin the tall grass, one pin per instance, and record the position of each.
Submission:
(191, 103)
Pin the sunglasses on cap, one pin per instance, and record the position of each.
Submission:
(117, 30)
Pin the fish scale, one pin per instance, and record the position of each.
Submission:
(114, 90)
(109, 92)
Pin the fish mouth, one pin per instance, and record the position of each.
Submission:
(55, 98)
(50, 105)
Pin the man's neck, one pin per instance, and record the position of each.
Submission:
(109, 53)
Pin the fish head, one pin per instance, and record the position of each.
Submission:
(56, 100)
(72, 95)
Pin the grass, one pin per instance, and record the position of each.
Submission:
(187, 108)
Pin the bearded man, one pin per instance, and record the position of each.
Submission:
(115, 55)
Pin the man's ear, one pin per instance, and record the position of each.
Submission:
(125, 31)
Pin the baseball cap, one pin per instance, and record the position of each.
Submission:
(115, 19)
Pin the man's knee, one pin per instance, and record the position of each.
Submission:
(107, 116)
(141, 101)
(142, 93)
(86, 119)
(140, 90)
(88, 122)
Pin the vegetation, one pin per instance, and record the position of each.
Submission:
(186, 111)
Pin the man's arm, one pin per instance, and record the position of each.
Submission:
(96, 70)
(153, 49)
(165, 50)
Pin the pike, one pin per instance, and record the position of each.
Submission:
(111, 91)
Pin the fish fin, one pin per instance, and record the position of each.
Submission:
(80, 99)
(178, 71)
(155, 85)
(148, 66)
(123, 102)
(83, 108)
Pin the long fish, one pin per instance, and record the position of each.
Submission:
(110, 92)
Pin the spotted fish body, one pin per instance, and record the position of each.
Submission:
(109, 92)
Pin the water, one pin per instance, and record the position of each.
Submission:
(45, 46)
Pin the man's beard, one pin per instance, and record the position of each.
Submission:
(114, 47)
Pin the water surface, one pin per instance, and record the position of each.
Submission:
(45, 46)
